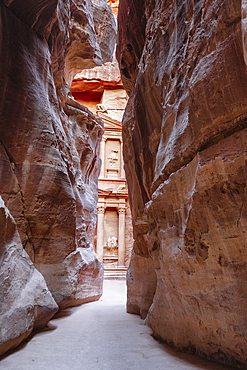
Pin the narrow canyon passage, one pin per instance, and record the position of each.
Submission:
(141, 163)
(99, 335)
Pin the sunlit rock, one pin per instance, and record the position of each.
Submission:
(184, 134)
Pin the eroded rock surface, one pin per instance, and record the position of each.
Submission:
(25, 301)
(92, 36)
(49, 143)
(185, 159)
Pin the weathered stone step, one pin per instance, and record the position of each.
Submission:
(115, 273)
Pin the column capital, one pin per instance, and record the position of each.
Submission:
(101, 209)
(121, 211)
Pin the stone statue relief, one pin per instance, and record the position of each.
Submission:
(113, 157)
(111, 245)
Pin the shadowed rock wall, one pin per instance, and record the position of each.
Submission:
(185, 134)
(27, 303)
(49, 144)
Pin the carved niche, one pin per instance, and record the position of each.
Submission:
(113, 158)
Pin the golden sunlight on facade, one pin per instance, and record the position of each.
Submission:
(101, 90)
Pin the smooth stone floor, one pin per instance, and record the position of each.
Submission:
(99, 336)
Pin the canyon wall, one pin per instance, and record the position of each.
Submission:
(27, 303)
(49, 152)
(183, 64)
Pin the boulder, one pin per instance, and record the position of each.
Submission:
(77, 280)
(25, 301)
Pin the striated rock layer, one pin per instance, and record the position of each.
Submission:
(25, 301)
(185, 136)
(49, 143)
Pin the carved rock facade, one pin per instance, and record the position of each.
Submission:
(185, 135)
(101, 89)
(49, 144)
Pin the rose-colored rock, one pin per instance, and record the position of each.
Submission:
(141, 286)
(105, 28)
(77, 280)
(96, 79)
(184, 135)
(25, 301)
(49, 143)
(92, 36)
(114, 4)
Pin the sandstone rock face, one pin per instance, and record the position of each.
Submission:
(49, 143)
(185, 138)
(92, 36)
(78, 279)
(106, 34)
(25, 301)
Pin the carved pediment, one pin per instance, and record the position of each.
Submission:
(110, 123)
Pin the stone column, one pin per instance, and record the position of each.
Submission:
(102, 156)
(100, 232)
(122, 173)
(121, 236)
